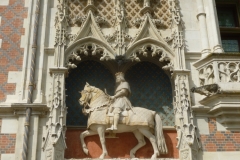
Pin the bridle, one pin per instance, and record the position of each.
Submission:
(85, 97)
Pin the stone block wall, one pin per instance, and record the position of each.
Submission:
(12, 14)
(220, 140)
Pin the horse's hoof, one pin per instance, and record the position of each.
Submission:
(102, 156)
(132, 155)
(154, 157)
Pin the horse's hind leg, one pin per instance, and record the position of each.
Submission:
(153, 141)
(141, 142)
(82, 136)
(101, 133)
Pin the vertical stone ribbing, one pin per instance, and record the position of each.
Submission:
(31, 83)
(203, 28)
(25, 135)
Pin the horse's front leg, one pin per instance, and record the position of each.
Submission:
(82, 136)
(101, 133)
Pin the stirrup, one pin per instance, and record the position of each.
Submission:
(110, 128)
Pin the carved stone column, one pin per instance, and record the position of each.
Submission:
(54, 142)
(188, 142)
(203, 28)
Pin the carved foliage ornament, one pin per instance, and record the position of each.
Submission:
(153, 50)
(181, 102)
(87, 49)
(61, 23)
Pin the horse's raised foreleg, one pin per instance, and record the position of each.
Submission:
(101, 133)
(82, 136)
(141, 142)
(152, 139)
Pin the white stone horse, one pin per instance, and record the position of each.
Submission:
(142, 122)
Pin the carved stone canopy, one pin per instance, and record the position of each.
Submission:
(94, 39)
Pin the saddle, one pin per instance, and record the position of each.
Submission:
(124, 116)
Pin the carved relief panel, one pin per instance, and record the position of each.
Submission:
(229, 71)
(206, 75)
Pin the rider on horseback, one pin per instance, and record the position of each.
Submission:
(120, 101)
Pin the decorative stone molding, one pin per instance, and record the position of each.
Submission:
(20, 109)
(219, 68)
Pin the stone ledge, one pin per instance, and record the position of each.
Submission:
(122, 159)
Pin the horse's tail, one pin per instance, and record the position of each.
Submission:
(159, 135)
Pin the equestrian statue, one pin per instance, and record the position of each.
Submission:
(115, 114)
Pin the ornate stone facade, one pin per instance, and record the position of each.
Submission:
(180, 37)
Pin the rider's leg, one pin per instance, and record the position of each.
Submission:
(116, 117)
(115, 121)
(110, 109)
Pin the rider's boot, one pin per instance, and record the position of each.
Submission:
(115, 121)
(110, 128)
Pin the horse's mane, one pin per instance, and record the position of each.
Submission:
(100, 99)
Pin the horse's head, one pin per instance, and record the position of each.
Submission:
(86, 95)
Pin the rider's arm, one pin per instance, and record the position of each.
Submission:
(122, 92)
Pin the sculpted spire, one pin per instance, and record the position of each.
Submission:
(120, 24)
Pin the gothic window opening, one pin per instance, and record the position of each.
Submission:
(96, 75)
(151, 88)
